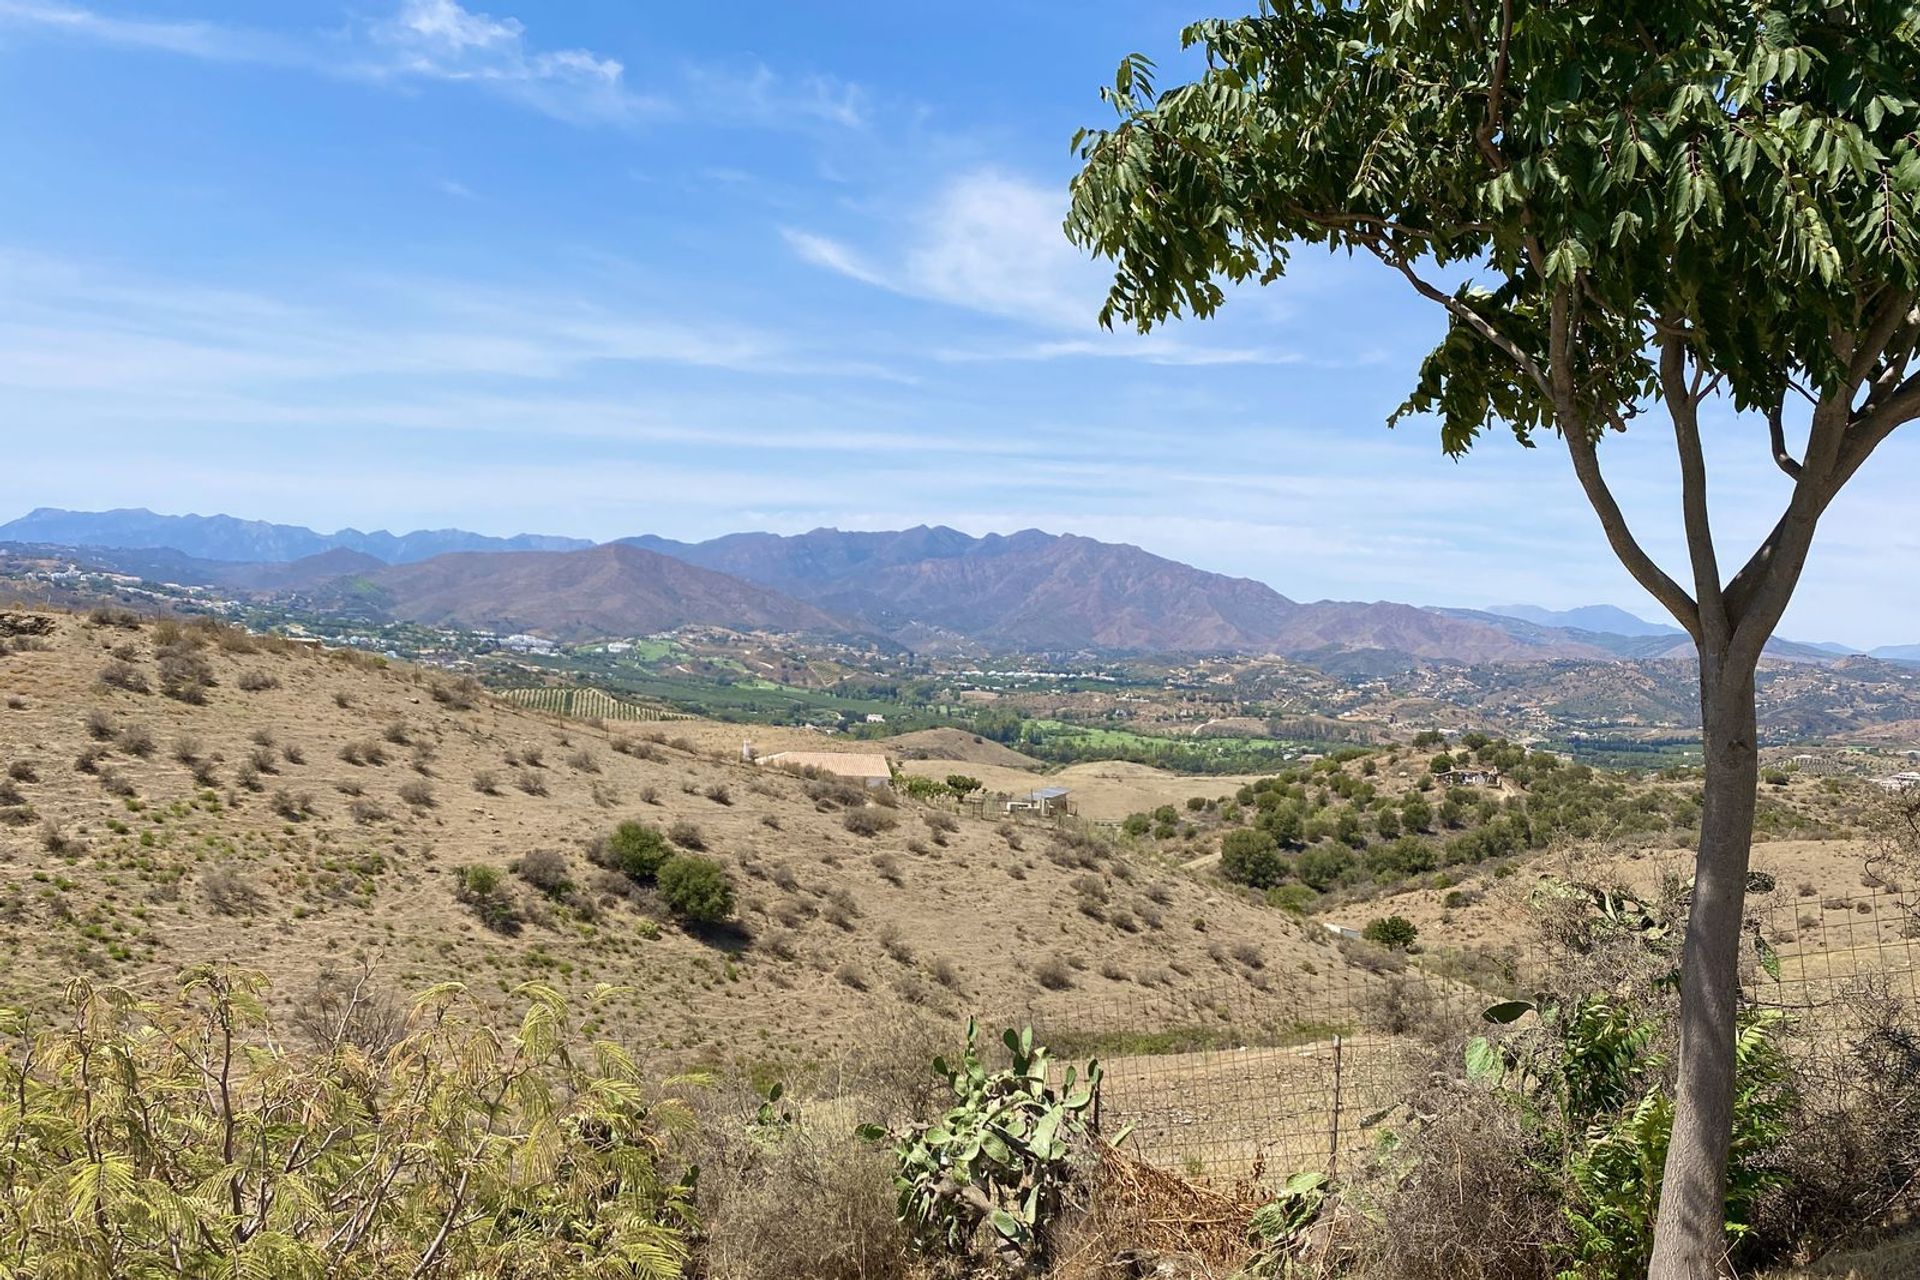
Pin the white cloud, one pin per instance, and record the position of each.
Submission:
(988, 242)
(755, 93)
(442, 40)
(193, 39)
(834, 256)
(84, 330)
(421, 41)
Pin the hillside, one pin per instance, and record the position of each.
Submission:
(314, 810)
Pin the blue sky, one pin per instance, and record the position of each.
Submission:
(606, 268)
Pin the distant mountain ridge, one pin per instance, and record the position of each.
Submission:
(221, 537)
(608, 590)
(1038, 590)
(1603, 618)
(928, 587)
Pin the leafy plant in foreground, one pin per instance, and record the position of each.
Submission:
(143, 1140)
(998, 1158)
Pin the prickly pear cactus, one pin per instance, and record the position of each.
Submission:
(999, 1158)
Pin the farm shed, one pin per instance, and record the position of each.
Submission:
(1046, 801)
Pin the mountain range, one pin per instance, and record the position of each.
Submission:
(253, 541)
(925, 588)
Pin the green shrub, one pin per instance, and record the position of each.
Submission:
(1250, 856)
(1294, 898)
(1396, 933)
(696, 889)
(636, 850)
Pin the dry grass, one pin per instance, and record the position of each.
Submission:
(347, 861)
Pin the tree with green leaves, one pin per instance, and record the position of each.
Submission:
(1656, 208)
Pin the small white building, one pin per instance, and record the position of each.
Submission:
(1899, 782)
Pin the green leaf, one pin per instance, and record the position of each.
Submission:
(1484, 1063)
(1508, 1011)
(1769, 958)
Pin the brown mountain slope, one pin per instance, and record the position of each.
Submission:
(337, 800)
(1421, 633)
(571, 595)
(1036, 590)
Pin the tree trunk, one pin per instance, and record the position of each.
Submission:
(1690, 1238)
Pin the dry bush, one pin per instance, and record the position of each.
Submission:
(188, 749)
(583, 761)
(256, 681)
(1144, 1221)
(546, 870)
(88, 761)
(23, 771)
(248, 776)
(204, 775)
(719, 794)
(103, 615)
(292, 805)
(123, 675)
(1854, 1146)
(802, 1200)
(531, 783)
(55, 840)
(365, 752)
(687, 835)
(366, 812)
(116, 784)
(869, 822)
(101, 725)
(1054, 973)
(229, 892)
(293, 753)
(184, 674)
(486, 782)
(396, 733)
(462, 694)
(418, 793)
(1473, 1204)
(350, 1009)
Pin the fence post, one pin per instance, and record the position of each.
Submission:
(1333, 1153)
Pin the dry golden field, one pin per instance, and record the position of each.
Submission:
(313, 811)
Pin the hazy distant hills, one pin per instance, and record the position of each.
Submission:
(610, 590)
(928, 587)
(253, 541)
(1601, 618)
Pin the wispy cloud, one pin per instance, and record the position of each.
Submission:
(207, 40)
(442, 40)
(755, 93)
(418, 42)
(82, 329)
(986, 241)
(990, 242)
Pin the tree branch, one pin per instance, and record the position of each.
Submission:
(1776, 429)
(1683, 406)
(1586, 466)
(1467, 316)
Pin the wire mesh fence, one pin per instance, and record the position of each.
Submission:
(1301, 1071)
